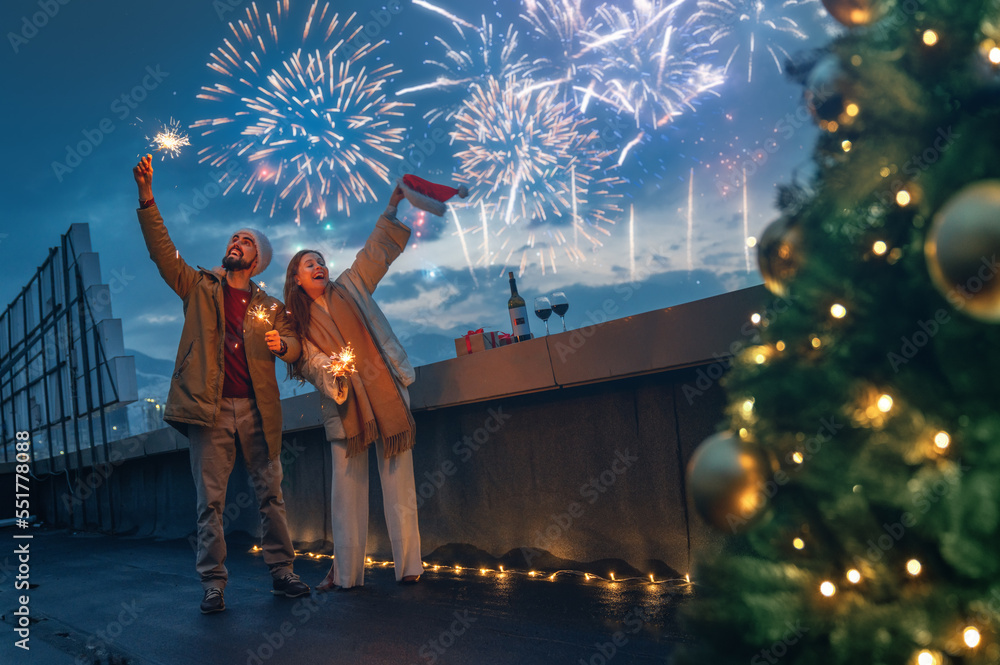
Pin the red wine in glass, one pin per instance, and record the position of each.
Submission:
(543, 310)
(560, 305)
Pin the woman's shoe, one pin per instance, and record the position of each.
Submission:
(326, 585)
(410, 579)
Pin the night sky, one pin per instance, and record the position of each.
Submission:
(103, 76)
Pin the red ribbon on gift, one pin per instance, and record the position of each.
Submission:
(468, 342)
(504, 339)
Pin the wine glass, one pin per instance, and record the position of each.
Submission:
(543, 310)
(559, 305)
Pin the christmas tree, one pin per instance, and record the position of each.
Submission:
(858, 475)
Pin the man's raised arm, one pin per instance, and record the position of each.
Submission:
(178, 275)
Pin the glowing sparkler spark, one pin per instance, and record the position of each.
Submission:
(747, 22)
(342, 364)
(304, 106)
(260, 313)
(522, 151)
(170, 139)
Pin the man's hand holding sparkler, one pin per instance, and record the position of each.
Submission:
(274, 342)
(143, 172)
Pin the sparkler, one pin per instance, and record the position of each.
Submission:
(307, 110)
(747, 22)
(170, 139)
(342, 364)
(260, 313)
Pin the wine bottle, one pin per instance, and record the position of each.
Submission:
(518, 313)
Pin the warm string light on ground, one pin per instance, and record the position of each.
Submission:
(502, 572)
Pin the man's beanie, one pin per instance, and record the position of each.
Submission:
(263, 249)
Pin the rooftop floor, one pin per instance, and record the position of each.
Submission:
(116, 600)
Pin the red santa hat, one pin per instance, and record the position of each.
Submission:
(427, 195)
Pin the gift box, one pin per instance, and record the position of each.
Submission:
(476, 340)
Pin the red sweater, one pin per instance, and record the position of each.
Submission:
(237, 375)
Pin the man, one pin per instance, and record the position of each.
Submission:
(223, 392)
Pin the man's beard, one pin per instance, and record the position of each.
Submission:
(233, 263)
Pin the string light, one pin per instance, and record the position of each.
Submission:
(853, 576)
(930, 37)
(942, 440)
(903, 198)
(755, 318)
(780, 346)
(748, 406)
(880, 248)
(994, 55)
(816, 342)
(926, 657)
(502, 572)
(797, 457)
(885, 171)
(913, 567)
(971, 636)
(798, 544)
(846, 145)
(838, 311)
(852, 110)
(828, 589)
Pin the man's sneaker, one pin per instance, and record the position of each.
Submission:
(213, 601)
(290, 585)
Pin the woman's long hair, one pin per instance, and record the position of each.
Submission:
(298, 303)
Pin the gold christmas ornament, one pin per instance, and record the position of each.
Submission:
(728, 482)
(853, 13)
(961, 250)
(779, 254)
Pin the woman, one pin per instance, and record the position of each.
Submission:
(372, 405)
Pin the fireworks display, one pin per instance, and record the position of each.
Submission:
(170, 139)
(553, 115)
(342, 364)
(740, 27)
(305, 106)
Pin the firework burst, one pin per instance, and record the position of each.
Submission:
(482, 52)
(531, 159)
(564, 27)
(745, 25)
(303, 108)
(650, 70)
